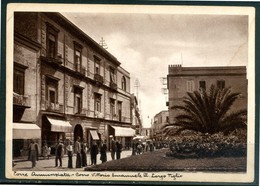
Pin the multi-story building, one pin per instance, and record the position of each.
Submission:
(181, 80)
(65, 84)
(159, 121)
(135, 115)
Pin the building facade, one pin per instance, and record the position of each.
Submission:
(135, 115)
(159, 121)
(181, 80)
(69, 85)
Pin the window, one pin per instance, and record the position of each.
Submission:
(119, 110)
(112, 107)
(221, 84)
(123, 83)
(77, 56)
(97, 65)
(97, 102)
(51, 92)
(52, 89)
(112, 75)
(78, 99)
(52, 41)
(190, 86)
(18, 82)
(202, 85)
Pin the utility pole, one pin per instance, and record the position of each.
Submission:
(103, 43)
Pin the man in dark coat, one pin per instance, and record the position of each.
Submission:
(118, 149)
(94, 152)
(103, 152)
(59, 153)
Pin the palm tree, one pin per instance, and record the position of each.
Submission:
(208, 113)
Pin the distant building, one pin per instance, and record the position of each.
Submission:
(65, 85)
(146, 131)
(181, 80)
(135, 115)
(160, 120)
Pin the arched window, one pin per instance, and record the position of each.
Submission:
(123, 83)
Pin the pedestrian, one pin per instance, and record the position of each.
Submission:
(133, 148)
(139, 148)
(59, 153)
(112, 147)
(103, 152)
(118, 149)
(70, 154)
(49, 152)
(78, 153)
(33, 152)
(45, 150)
(93, 153)
(151, 147)
(84, 154)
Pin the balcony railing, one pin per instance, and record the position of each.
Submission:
(83, 112)
(56, 107)
(21, 100)
(113, 85)
(57, 60)
(80, 69)
(98, 78)
(98, 114)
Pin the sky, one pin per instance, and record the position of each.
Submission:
(146, 44)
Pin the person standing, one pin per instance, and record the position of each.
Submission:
(133, 148)
(103, 152)
(93, 153)
(45, 150)
(59, 153)
(78, 153)
(33, 153)
(118, 149)
(70, 154)
(113, 147)
(84, 154)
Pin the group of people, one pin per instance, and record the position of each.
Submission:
(116, 148)
(139, 147)
(80, 149)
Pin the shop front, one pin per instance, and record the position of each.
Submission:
(54, 129)
(123, 134)
(22, 135)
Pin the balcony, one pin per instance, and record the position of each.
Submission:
(114, 117)
(113, 85)
(21, 100)
(55, 107)
(56, 61)
(81, 112)
(79, 69)
(98, 78)
(99, 115)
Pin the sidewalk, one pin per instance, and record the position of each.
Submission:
(49, 164)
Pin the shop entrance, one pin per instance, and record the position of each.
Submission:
(78, 132)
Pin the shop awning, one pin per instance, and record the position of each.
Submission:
(94, 134)
(123, 131)
(26, 131)
(59, 125)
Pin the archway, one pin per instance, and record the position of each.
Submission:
(78, 132)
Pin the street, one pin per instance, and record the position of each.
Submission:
(49, 164)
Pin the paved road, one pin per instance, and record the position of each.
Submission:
(49, 164)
